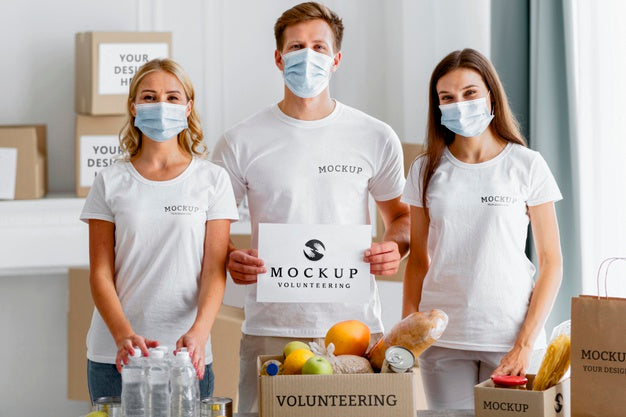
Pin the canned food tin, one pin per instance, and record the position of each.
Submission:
(110, 405)
(398, 360)
(216, 406)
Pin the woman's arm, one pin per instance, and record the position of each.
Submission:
(210, 293)
(102, 283)
(546, 238)
(418, 261)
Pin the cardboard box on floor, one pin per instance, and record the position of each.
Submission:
(97, 146)
(491, 401)
(410, 152)
(105, 64)
(225, 338)
(79, 315)
(29, 142)
(354, 395)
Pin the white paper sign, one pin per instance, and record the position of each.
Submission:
(8, 173)
(118, 62)
(314, 263)
(97, 152)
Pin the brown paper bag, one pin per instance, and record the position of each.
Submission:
(598, 354)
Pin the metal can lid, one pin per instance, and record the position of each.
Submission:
(217, 400)
(399, 358)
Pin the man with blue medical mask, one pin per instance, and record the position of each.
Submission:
(310, 159)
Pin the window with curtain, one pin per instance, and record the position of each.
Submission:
(598, 60)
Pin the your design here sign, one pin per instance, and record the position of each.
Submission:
(314, 263)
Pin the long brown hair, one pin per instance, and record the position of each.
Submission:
(504, 123)
(190, 139)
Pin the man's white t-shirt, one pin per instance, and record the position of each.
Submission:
(479, 273)
(159, 245)
(310, 172)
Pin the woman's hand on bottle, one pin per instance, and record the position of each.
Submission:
(126, 347)
(195, 343)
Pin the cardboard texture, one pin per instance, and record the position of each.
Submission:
(30, 141)
(79, 315)
(410, 152)
(225, 338)
(355, 395)
(106, 61)
(491, 401)
(598, 356)
(89, 128)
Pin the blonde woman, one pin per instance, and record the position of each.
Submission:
(159, 223)
(472, 195)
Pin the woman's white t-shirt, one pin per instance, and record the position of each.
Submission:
(159, 245)
(310, 172)
(479, 273)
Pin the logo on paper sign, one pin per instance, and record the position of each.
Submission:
(314, 250)
(558, 400)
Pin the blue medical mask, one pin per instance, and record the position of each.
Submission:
(307, 72)
(161, 121)
(466, 118)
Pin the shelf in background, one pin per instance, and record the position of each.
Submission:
(42, 236)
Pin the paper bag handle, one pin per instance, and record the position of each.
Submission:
(608, 262)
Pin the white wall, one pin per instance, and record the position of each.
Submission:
(226, 46)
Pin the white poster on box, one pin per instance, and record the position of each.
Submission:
(96, 153)
(8, 173)
(118, 62)
(314, 263)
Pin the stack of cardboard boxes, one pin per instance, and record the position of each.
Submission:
(105, 65)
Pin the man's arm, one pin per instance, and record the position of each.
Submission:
(384, 257)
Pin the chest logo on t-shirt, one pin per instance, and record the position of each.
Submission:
(180, 209)
(339, 169)
(498, 200)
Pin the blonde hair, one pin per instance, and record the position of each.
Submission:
(308, 11)
(190, 139)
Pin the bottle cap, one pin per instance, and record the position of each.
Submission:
(183, 354)
(136, 353)
(157, 354)
(271, 369)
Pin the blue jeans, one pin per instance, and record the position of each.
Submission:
(104, 381)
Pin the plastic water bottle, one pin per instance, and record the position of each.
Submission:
(185, 386)
(134, 386)
(158, 400)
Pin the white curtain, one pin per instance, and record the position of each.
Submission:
(596, 55)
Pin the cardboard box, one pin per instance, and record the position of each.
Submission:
(23, 153)
(105, 64)
(225, 338)
(97, 146)
(79, 315)
(354, 395)
(491, 401)
(410, 152)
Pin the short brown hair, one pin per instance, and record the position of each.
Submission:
(308, 11)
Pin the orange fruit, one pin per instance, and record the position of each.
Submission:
(295, 361)
(350, 337)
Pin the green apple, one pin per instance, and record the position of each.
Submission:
(291, 346)
(317, 365)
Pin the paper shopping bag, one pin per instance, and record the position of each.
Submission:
(598, 355)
